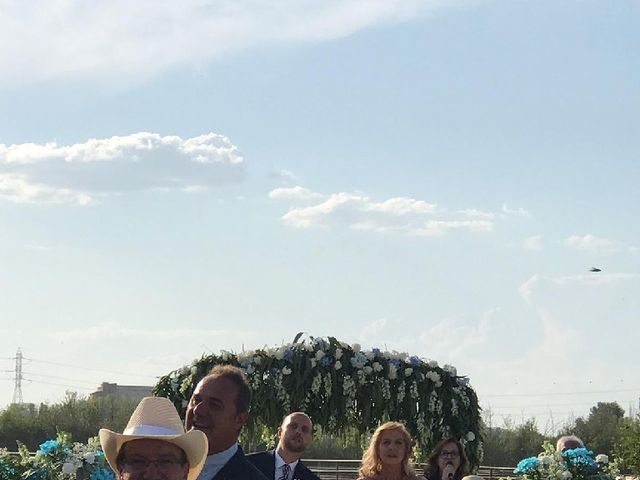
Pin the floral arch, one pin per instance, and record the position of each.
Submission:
(347, 391)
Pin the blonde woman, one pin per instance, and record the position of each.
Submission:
(387, 457)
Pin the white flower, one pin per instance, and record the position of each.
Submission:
(89, 457)
(337, 365)
(68, 468)
(286, 371)
(432, 363)
(393, 372)
(451, 370)
(370, 355)
(250, 370)
(319, 354)
(377, 367)
(313, 363)
(566, 475)
(356, 347)
(408, 371)
(470, 436)
(602, 458)
(194, 370)
(545, 459)
(368, 370)
(338, 353)
(279, 354)
(257, 360)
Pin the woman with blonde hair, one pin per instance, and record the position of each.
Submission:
(387, 457)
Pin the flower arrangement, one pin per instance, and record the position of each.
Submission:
(58, 459)
(346, 390)
(572, 464)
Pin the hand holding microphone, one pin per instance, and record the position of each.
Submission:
(448, 471)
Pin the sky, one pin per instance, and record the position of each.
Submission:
(434, 177)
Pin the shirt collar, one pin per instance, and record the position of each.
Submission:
(280, 462)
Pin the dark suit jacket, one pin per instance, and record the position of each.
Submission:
(238, 468)
(266, 463)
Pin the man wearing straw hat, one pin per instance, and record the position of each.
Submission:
(219, 407)
(154, 445)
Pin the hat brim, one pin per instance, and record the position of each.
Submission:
(194, 444)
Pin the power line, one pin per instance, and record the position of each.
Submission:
(59, 378)
(90, 369)
(592, 392)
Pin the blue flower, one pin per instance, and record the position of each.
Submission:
(49, 446)
(326, 361)
(102, 474)
(395, 362)
(415, 361)
(288, 355)
(376, 352)
(526, 465)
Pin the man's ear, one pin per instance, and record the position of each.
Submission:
(241, 419)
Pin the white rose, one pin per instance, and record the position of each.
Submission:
(377, 367)
(566, 475)
(257, 360)
(90, 457)
(408, 371)
(68, 468)
(319, 354)
(370, 355)
(279, 354)
(313, 363)
(393, 372)
(337, 365)
(470, 436)
(338, 353)
(432, 363)
(602, 458)
(286, 371)
(368, 370)
(356, 347)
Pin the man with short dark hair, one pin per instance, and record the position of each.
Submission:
(294, 436)
(219, 407)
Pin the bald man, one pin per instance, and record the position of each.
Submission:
(283, 463)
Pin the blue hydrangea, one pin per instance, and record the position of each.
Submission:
(415, 361)
(49, 446)
(288, 355)
(376, 352)
(6, 471)
(526, 465)
(326, 361)
(395, 362)
(581, 458)
(102, 474)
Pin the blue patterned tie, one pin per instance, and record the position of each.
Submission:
(286, 470)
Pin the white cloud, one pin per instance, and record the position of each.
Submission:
(140, 39)
(293, 193)
(475, 213)
(533, 243)
(592, 244)
(76, 174)
(357, 211)
(518, 212)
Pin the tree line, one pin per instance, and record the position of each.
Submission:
(604, 430)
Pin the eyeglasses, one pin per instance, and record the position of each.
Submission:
(140, 464)
(452, 453)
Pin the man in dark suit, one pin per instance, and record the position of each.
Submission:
(283, 463)
(219, 407)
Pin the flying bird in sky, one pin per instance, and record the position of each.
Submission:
(594, 269)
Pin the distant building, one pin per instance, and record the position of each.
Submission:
(130, 391)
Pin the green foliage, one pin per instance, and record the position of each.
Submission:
(627, 447)
(82, 418)
(347, 392)
(600, 430)
(506, 446)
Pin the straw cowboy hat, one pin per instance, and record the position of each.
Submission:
(155, 418)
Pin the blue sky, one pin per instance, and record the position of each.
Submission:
(431, 177)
